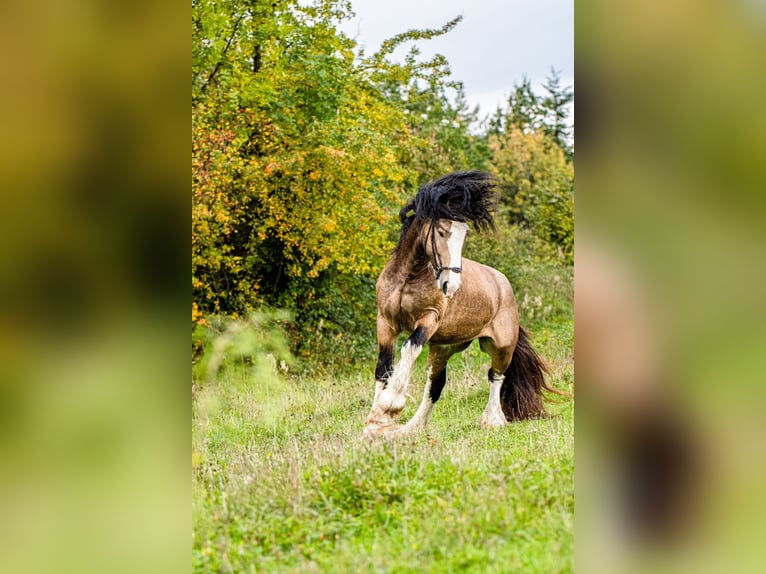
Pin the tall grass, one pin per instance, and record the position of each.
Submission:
(294, 488)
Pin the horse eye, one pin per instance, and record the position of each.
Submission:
(441, 234)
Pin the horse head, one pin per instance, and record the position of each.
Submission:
(443, 241)
(441, 211)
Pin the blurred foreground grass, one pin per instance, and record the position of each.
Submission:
(670, 271)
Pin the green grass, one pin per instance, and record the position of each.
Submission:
(282, 480)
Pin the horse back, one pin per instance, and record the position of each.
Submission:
(485, 296)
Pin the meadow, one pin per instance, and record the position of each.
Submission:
(282, 480)
(304, 150)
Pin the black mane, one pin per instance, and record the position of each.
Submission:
(467, 196)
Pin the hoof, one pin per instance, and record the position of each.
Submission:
(392, 431)
(489, 422)
(376, 430)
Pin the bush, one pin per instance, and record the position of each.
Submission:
(538, 187)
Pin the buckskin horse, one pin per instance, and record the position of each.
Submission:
(429, 290)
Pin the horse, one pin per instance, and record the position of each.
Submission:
(428, 290)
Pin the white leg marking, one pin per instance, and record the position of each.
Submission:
(392, 398)
(378, 389)
(420, 419)
(389, 401)
(493, 415)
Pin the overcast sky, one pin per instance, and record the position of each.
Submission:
(494, 47)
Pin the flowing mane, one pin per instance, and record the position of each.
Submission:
(467, 196)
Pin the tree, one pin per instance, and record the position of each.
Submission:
(538, 186)
(532, 157)
(524, 109)
(556, 109)
(294, 160)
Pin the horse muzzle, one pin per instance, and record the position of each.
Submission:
(450, 285)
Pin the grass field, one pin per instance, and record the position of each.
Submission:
(282, 480)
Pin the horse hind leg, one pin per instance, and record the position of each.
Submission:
(494, 415)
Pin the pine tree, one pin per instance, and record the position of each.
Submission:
(556, 109)
(524, 108)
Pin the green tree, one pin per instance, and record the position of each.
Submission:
(556, 108)
(442, 139)
(538, 187)
(531, 155)
(525, 110)
(294, 159)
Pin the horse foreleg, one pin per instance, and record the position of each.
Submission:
(384, 368)
(379, 419)
(391, 398)
(390, 390)
(434, 385)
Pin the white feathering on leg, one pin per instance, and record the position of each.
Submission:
(493, 415)
(392, 399)
(420, 419)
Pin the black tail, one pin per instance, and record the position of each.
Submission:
(522, 392)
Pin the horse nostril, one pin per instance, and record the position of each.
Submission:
(444, 287)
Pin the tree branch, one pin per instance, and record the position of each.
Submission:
(223, 53)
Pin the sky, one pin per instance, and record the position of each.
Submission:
(492, 49)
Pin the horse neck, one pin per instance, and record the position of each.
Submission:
(407, 259)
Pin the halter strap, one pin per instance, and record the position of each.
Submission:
(438, 270)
